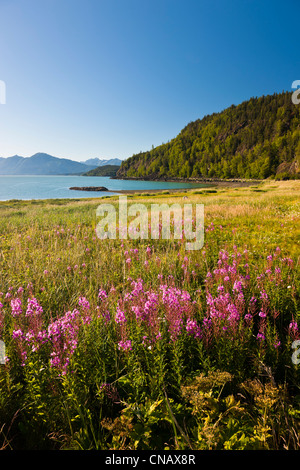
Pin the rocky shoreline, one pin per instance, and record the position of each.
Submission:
(211, 181)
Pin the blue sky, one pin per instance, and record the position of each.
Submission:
(108, 78)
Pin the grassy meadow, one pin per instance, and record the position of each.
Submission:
(140, 344)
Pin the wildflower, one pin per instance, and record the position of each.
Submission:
(17, 334)
(125, 345)
(262, 314)
(84, 303)
(33, 308)
(102, 295)
(248, 317)
(260, 337)
(138, 312)
(193, 328)
(16, 306)
(237, 286)
(264, 296)
(293, 326)
(120, 316)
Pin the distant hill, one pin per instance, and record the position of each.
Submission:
(257, 139)
(41, 164)
(105, 170)
(98, 162)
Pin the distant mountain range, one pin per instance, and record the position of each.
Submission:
(44, 164)
(96, 162)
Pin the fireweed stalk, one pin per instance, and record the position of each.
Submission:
(145, 316)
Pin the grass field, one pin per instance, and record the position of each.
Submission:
(140, 344)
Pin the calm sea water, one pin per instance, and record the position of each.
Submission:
(54, 187)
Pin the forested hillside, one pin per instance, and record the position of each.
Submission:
(105, 170)
(258, 138)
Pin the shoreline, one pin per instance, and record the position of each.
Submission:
(209, 183)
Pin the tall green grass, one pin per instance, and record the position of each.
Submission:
(192, 371)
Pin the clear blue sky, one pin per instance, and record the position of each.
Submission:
(108, 78)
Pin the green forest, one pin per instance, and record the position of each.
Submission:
(105, 170)
(257, 139)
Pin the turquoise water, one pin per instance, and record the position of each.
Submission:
(55, 187)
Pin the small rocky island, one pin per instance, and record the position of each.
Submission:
(89, 188)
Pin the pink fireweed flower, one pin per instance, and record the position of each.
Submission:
(293, 326)
(264, 296)
(62, 336)
(16, 307)
(16, 334)
(139, 314)
(237, 286)
(248, 317)
(84, 303)
(120, 317)
(33, 308)
(125, 345)
(102, 295)
(260, 337)
(193, 328)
